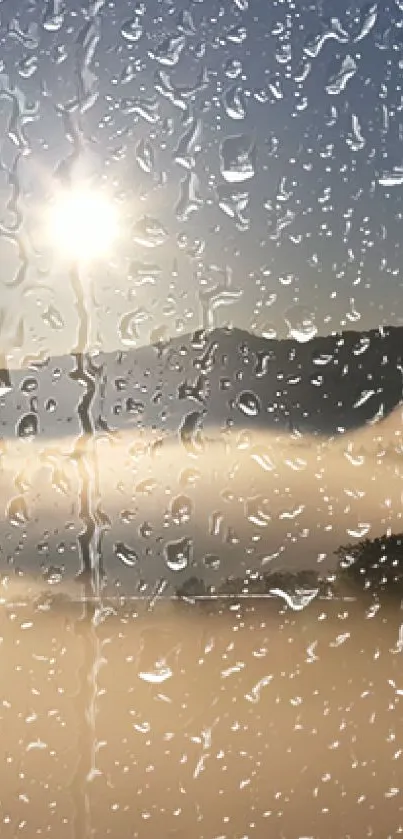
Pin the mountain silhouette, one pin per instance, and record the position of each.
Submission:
(165, 505)
(227, 378)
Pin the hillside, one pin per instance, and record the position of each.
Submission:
(228, 378)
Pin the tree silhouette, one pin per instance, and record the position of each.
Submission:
(259, 584)
(374, 565)
(193, 587)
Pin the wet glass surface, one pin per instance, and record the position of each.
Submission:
(201, 427)
(189, 719)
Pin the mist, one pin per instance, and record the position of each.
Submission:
(227, 501)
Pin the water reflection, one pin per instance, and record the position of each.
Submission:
(242, 719)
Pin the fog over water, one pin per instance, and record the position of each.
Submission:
(164, 506)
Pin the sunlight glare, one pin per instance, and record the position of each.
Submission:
(83, 224)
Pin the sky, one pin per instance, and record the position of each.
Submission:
(252, 151)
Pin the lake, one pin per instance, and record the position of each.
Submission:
(230, 719)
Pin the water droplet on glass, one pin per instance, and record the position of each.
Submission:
(28, 66)
(178, 554)
(145, 530)
(54, 15)
(233, 68)
(234, 103)
(257, 511)
(190, 432)
(181, 509)
(301, 324)
(169, 51)
(157, 676)
(189, 477)
(28, 426)
(17, 511)
(132, 29)
(237, 156)
(53, 318)
(237, 34)
(126, 554)
(212, 562)
(339, 80)
(248, 403)
(127, 329)
(29, 385)
(53, 575)
(263, 458)
(149, 232)
(298, 599)
(145, 156)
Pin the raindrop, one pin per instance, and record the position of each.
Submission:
(360, 531)
(262, 457)
(52, 318)
(149, 232)
(215, 522)
(53, 575)
(339, 80)
(28, 66)
(300, 324)
(5, 383)
(59, 54)
(54, 16)
(212, 562)
(28, 426)
(145, 156)
(134, 407)
(234, 103)
(127, 516)
(29, 385)
(336, 32)
(190, 432)
(126, 554)
(169, 51)
(132, 29)
(298, 599)
(248, 403)
(181, 509)
(157, 676)
(128, 73)
(188, 144)
(185, 22)
(17, 512)
(237, 158)
(178, 554)
(233, 68)
(237, 34)
(189, 477)
(368, 17)
(254, 695)
(127, 329)
(189, 199)
(145, 530)
(257, 511)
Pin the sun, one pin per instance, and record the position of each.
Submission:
(82, 224)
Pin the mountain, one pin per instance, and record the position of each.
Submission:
(227, 379)
(164, 496)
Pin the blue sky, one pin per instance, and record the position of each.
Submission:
(264, 140)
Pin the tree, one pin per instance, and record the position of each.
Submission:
(374, 565)
(193, 587)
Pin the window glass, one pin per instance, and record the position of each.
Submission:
(201, 368)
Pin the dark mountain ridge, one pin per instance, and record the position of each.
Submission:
(227, 378)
